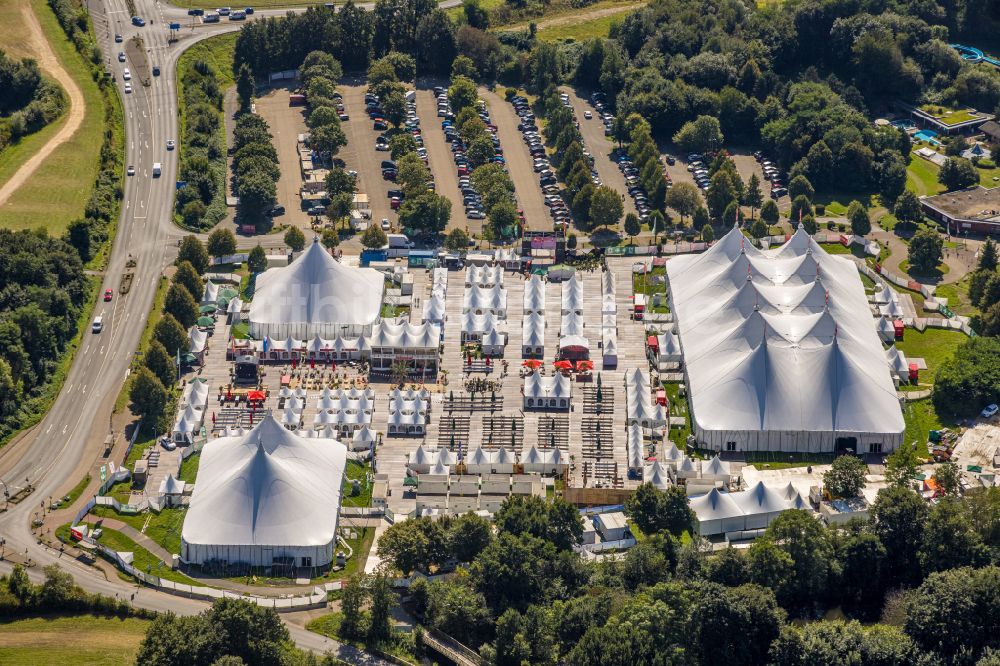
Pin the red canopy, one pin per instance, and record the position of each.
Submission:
(255, 396)
(563, 365)
(584, 366)
(532, 363)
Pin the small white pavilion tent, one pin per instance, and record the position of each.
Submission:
(658, 474)
(533, 335)
(717, 512)
(534, 295)
(546, 392)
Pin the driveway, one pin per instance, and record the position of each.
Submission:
(286, 123)
(519, 163)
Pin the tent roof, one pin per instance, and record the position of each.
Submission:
(552, 386)
(780, 340)
(172, 486)
(715, 505)
(317, 289)
(268, 487)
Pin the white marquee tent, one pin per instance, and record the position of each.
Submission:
(264, 496)
(316, 295)
(534, 295)
(779, 350)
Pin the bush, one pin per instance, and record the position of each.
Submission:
(820, 210)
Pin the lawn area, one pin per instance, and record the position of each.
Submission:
(941, 270)
(359, 472)
(988, 177)
(678, 407)
(780, 460)
(934, 345)
(58, 190)
(82, 640)
(921, 176)
(164, 527)
(583, 30)
(329, 625)
(75, 492)
(957, 294)
(947, 115)
(653, 282)
(144, 560)
(189, 468)
(920, 417)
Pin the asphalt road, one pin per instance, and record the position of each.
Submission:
(519, 162)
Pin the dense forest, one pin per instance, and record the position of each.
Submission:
(29, 103)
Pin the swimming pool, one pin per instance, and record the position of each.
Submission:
(927, 135)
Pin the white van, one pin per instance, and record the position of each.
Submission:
(127, 75)
(98, 324)
(156, 169)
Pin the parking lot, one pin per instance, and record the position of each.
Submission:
(286, 124)
(360, 155)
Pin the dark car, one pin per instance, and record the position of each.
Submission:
(196, 12)
(277, 210)
(248, 11)
(380, 125)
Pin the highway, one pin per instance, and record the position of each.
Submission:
(56, 453)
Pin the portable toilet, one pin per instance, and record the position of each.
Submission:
(914, 373)
(897, 326)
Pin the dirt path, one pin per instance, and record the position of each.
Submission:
(49, 64)
(578, 17)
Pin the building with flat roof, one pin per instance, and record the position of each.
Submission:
(972, 210)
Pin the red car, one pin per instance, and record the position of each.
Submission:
(394, 203)
(108, 294)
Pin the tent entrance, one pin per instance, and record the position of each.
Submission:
(846, 445)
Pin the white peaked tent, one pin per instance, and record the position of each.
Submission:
(886, 330)
(608, 283)
(572, 296)
(897, 363)
(688, 468)
(670, 348)
(475, 326)
(439, 469)
(445, 457)
(533, 334)
(483, 276)
(657, 474)
(716, 470)
(198, 341)
(187, 425)
(387, 337)
(556, 462)
(196, 394)
(363, 439)
(533, 461)
(717, 513)
(608, 305)
(634, 446)
(760, 505)
(435, 309)
(172, 486)
(891, 309)
(478, 461)
(265, 496)
(316, 295)
(419, 460)
(483, 300)
(534, 295)
(779, 350)
(291, 419)
(571, 325)
(884, 295)
(503, 461)
(211, 293)
(493, 343)
(546, 392)
(671, 456)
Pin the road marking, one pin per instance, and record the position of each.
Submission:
(102, 350)
(84, 389)
(49, 429)
(136, 217)
(64, 429)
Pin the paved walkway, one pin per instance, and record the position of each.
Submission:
(960, 261)
(140, 538)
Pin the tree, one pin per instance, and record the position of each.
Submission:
(245, 86)
(193, 212)
(988, 256)
(394, 106)
(700, 218)
(948, 477)
(374, 238)
(719, 609)
(339, 181)
(401, 144)
(801, 206)
(503, 217)
(187, 276)
(463, 65)
(701, 135)
(684, 198)
(846, 476)
(731, 214)
(330, 238)
(295, 239)
(20, 586)
(427, 213)
(769, 566)
(257, 191)
(457, 240)
(801, 187)
(861, 225)
(803, 537)
(769, 212)
(809, 224)
(901, 465)
(949, 539)
(458, 610)
(462, 93)
(380, 607)
(160, 363)
(221, 242)
(723, 189)
(908, 209)
(952, 613)
(148, 395)
(653, 510)
(605, 207)
(925, 250)
(645, 564)
(192, 250)
(339, 207)
(257, 260)
(171, 334)
(643, 508)
(861, 558)
(898, 516)
(707, 233)
(328, 138)
(468, 535)
(957, 173)
(413, 545)
(351, 605)
(753, 197)
(632, 226)
(758, 229)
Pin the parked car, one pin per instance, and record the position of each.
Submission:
(989, 411)
(277, 210)
(121, 56)
(385, 224)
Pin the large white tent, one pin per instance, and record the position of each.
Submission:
(534, 295)
(485, 300)
(719, 512)
(779, 350)
(265, 497)
(546, 392)
(316, 295)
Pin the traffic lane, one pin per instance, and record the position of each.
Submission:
(519, 163)
(600, 147)
(442, 162)
(360, 155)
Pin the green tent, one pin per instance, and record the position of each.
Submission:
(207, 309)
(206, 322)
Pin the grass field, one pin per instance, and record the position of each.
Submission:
(164, 527)
(143, 559)
(59, 189)
(934, 345)
(83, 640)
(584, 30)
(920, 417)
(329, 625)
(359, 472)
(921, 176)
(189, 468)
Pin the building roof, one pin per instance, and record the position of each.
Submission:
(980, 204)
(268, 487)
(780, 340)
(317, 289)
(991, 128)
